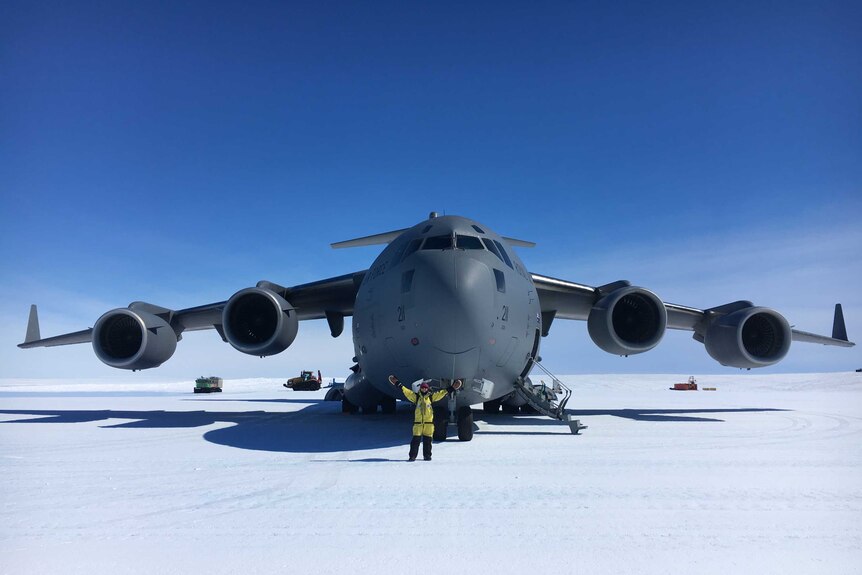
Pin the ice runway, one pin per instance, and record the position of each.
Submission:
(763, 475)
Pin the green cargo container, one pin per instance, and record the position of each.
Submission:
(208, 384)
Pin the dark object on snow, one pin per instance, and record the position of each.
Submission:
(690, 385)
(305, 382)
(208, 384)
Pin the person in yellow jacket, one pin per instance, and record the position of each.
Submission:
(423, 416)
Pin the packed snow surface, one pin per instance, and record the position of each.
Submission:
(763, 475)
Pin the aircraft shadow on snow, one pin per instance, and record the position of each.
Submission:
(669, 414)
(322, 428)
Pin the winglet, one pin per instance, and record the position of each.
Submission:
(33, 326)
(839, 330)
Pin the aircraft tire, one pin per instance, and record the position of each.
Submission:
(347, 407)
(387, 405)
(491, 406)
(369, 409)
(465, 423)
(441, 424)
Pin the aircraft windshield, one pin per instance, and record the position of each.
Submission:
(412, 247)
(492, 248)
(468, 242)
(438, 243)
(503, 253)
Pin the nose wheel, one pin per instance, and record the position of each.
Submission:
(441, 423)
(462, 417)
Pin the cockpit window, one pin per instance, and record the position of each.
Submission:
(468, 242)
(407, 281)
(399, 253)
(426, 228)
(412, 247)
(478, 229)
(438, 243)
(492, 248)
(504, 254)
(500, 278)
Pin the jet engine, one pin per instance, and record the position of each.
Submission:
(131, 339)
(750, 337)
(627, 321)
(258, 321)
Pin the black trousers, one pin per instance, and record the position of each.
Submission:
(426, 446)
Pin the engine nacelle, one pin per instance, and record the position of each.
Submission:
(627, 321)
(258, 321)
(751, 337)
(130, 339)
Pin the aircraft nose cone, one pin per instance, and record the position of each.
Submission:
(457, 294)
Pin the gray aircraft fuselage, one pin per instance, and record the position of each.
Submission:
(446, 300)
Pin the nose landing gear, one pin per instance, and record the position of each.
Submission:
(441, 423)
(461, 417)
(464, 417)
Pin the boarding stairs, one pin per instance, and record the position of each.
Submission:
(548, 400)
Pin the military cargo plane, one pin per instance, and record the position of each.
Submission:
(447, 299)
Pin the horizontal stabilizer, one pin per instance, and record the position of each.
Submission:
(375, 240)
(387, 237)
(519, 243)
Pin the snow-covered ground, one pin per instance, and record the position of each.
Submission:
(763, 475)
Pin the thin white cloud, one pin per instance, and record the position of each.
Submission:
(799, 272)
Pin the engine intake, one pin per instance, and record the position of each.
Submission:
(258, 321)
(129, 339)
(751, 337)
(627, 321)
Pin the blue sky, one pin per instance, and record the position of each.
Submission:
(168, 152)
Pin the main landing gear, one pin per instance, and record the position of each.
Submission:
(347, 406)
(386, 405)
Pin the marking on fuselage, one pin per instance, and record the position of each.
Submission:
(377, 271)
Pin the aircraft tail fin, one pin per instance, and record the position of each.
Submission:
(33, 326)
(839, 330)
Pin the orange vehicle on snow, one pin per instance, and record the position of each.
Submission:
(305, 382)
(691, 385)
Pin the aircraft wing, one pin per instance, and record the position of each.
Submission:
(317, 299)
(331, 298)
(569, 300)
